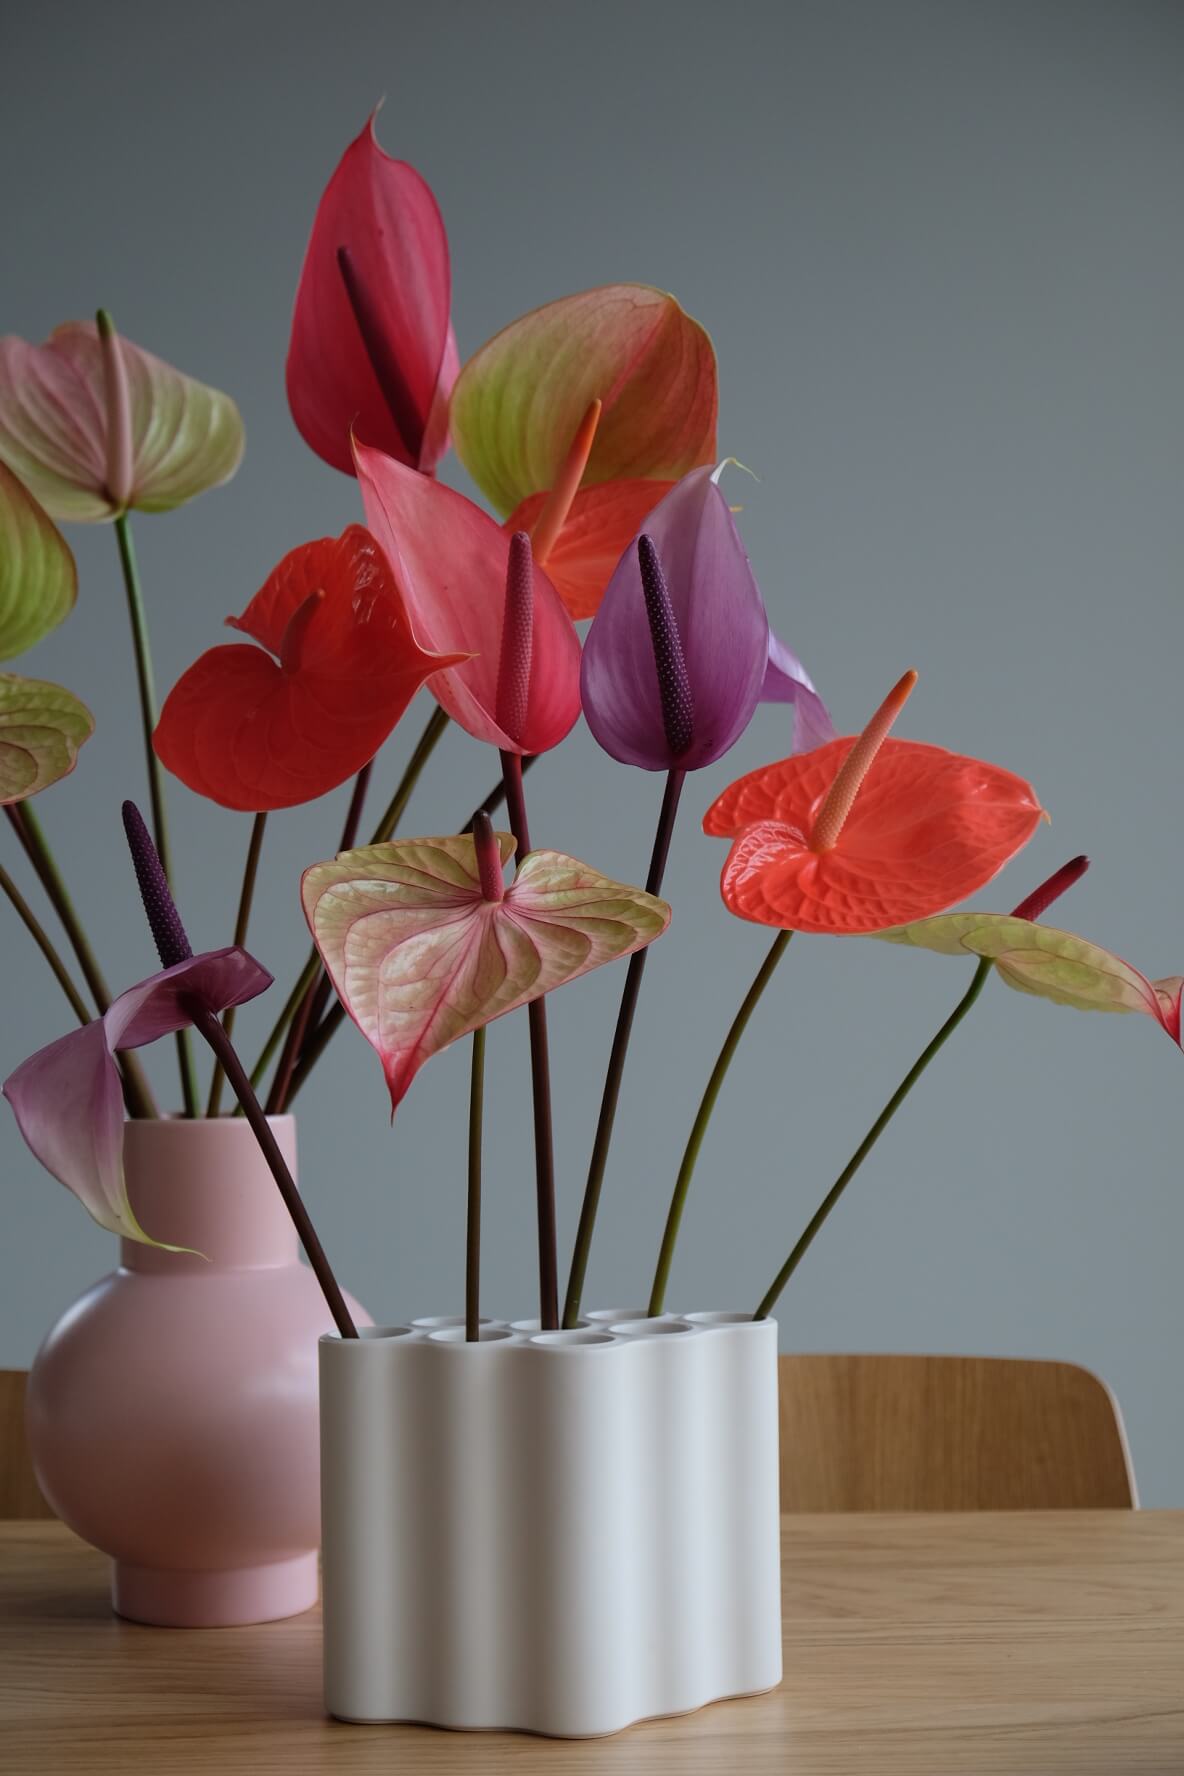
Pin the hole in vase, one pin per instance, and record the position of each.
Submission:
(649, 1328)
(721, 1319)
(604, 1316)
(486, 1334)
(443, 1322)
(583, 1336)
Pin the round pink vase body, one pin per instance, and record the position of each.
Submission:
(172, 1411)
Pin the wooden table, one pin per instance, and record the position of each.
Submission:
(914, 1646)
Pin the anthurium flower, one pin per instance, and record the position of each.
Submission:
(600, 524)
(518, 401)
(451, 561)
(1050, 964)
(867, 832)
(718, 618)
(254, 729)
(38, 578)
(424, 943)
(372, 346)
(41, 728)
(67, 1097)
(94, 425)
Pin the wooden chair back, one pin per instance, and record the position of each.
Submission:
(19, 1492)
(885, 1433)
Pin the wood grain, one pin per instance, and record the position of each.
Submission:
(1003, 1644)
(887, 1433)
(19, 1493)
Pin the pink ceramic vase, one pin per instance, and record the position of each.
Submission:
(172, 1411)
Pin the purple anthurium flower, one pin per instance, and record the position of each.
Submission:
(720, 632)
(67, 1097)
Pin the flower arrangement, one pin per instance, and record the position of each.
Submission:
(589, 426)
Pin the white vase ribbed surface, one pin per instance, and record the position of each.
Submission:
(556, 1532)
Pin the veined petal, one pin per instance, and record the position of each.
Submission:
(38, 578)
(601, 524)
(42, 727)
(518, 401)
(722, 625)
(1048, 963)
(382, 212)
(420, 958)
(449, 558)
(67, 1098)
(254, 732)
(185, 436)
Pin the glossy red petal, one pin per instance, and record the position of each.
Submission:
(383, 213)
(927, 828)
(253, 733)
(600, 526)
(450, 559)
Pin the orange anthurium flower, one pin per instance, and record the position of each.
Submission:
(862, 834)
(271, 726)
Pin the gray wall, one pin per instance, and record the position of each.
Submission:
(938, 247)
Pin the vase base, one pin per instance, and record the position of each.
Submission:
(172, 1599)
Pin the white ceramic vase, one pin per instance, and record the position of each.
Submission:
(558, 1532)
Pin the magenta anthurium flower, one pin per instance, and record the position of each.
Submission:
(424, 942)
(67, 1097)
(713, 609)
(93, 425)
(372, 346)
(451, 561)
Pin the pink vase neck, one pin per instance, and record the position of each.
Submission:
(205, 1184)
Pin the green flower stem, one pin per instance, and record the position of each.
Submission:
(246, 896)
(616, 1063)
(707, 1105)
(136, 1090)
(473, 1225)
(138, 619)
(898, 1097)
(37, 933)
(540, 1083)
(314, 1042)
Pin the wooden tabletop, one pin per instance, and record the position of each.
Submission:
(914, 1646)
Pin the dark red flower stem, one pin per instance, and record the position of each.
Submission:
(316, 995)
(173, 946)
(1036, 903)
(384, 361)
(615, 1074)
(540, 1079)
(473, 1216)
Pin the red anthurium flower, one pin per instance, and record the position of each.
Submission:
(867, 833)
(254, 730)
(372, 345)
(451, 561)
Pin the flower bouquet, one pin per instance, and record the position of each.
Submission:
(568, 1521)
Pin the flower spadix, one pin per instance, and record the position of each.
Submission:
(424, 942)
(868, 831)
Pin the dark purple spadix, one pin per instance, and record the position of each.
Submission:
(384, 360)
(489, 858)
(164, 921)
(1041, 898)
(674, 685)
(513, 676)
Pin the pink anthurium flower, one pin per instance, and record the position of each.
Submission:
(716, 624)
(451, 561)
(1051, 964)
(372, 346)
(424, 942)
(38, 578)
(67, 1097)
(42, 727)
(93, 425)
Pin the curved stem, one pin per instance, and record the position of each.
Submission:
(37, 933)
(616, 1063)
(706, 1106)
(898, 1097)
(424, 748)
(242, 920)
(473, 1222)
(138, 619)
(136, 1090)
(540, 1082)
(496, 796)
